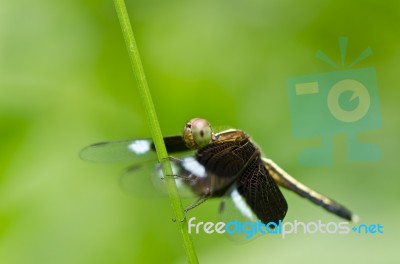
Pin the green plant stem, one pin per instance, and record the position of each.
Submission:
(155, 128)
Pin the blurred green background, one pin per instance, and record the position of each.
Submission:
(66, 82)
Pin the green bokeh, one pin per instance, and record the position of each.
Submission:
(65, 82)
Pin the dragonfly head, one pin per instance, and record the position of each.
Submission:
(197, 133)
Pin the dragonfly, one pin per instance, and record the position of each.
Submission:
(226, 164)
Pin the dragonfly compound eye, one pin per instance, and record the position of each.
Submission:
(197, 133)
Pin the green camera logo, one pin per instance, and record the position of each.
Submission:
(337, 102)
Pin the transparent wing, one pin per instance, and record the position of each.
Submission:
(137, 180)
(146, 179)
(145, 173)
(132, 150)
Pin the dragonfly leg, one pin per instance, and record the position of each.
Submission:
(199, 201)
(176, 176)
(194, 205)
(188, 178)
(172, 158)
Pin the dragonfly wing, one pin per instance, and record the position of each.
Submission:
(147, 178)
(234, 212)
(137, 180)
(254, 200)
(134, 150)
(131, 150)
(262, 193)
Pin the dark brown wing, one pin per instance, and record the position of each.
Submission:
(262, 193)
(227, 158)
(224, 162)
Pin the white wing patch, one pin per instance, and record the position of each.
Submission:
(139, 146)
(194, 167)
(242, 206)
